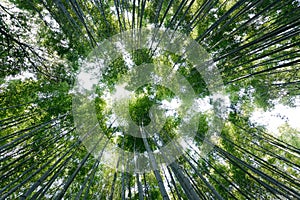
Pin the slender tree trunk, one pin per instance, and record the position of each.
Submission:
(155, 167)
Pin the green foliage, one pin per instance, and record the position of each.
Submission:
(255, 45)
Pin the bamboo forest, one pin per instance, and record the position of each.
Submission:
(150, 99)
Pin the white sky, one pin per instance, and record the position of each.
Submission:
(272, 119)
(21, 76)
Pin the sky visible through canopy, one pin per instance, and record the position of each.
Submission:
(272, 119)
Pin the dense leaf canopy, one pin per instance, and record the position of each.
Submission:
(43, 44)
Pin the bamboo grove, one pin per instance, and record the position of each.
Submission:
(254, 44)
